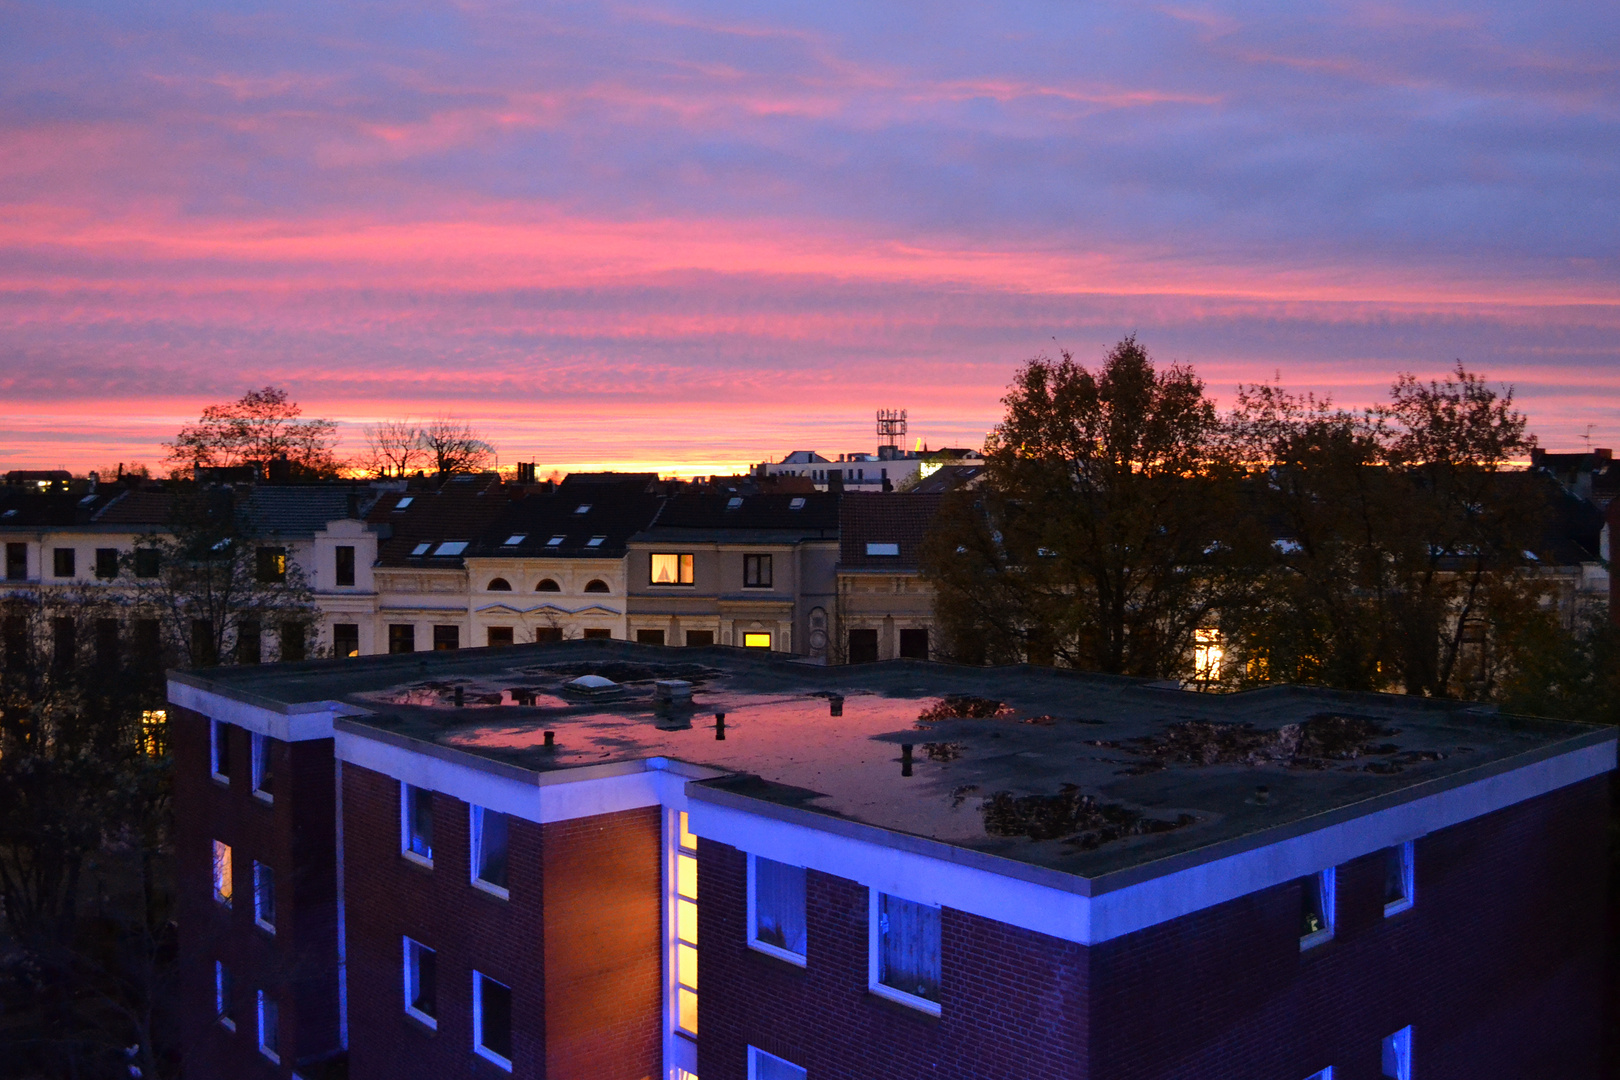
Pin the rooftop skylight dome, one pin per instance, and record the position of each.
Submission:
(591, 685)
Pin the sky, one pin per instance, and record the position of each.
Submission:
(695, 235)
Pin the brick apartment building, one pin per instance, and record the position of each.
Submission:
(519, 861)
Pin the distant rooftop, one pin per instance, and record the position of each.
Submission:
(1089, 775)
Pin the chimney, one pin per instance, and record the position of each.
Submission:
(1604, 453)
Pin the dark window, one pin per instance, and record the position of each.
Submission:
(64, 642)
(547, 585)
(16, 562)
(248, 642)
(756, 571)
(499, 584)
(345, 564)
(908, 947)
(346, 639)
(914, 644)
(106, 562)
(264, 894)
(418, 821)
(500, 636)
(107, 644)
(650, 637)
(697, 638)
(401, 637)
(421, 979)
(203, 649)
(224, 995)
(446, 637)
(494, 1017)
(148, 643)
(219, 748)
(264, 764)
(863, 647)
(292, 640)
(146, 562)
(544, 634)
(269, 1025)
(598, 635)
(16, 642)
(65, 560)
(489, 846)
(596, 585)
(1316, 908)
(271, 565)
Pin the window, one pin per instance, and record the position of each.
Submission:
(148, 642)
(64, 642)
(544, 635)
(914, 644)
(249, 642)
(346, 639)
(446, 637)
(686, 928)
(222, 873)
(649, 637)
(106, 562)
(293, 636)
(905, 953)
(269, 1027)
(1398, 1055)
(271, 564)
(1316, 908)
(422, 548)
(146, 562)
(756, 640)
(489, 832)
(863, 646)
(403, 503)
(596, 585)
(345, 564)
(583, 508)
(763, 1066)
(756, 571)
(16, 562)
(106, 644)
(219, 750)
(596, 541)
(499, 637)
(547, 585)
(264, 896)
(734, 503)
(1207, 654)
(422, 983)
(264, 773)
(224, 997)
(699, 638)
(492, 1020)
(451, 547)
(514, 540)
(597, 635)
(671, 569)
(499, 584)
(64, 562)
(416, 823)
(203, 645)
(776, 908)
(556, 541)
(882, 549)
(797, 503)
(1398, 878)
(401, 638)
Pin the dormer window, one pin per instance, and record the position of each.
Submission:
(515, 539)
(556, 541)
(451, 547)
(421, 549)
(596, 541)
(403, 503)
(583, 508)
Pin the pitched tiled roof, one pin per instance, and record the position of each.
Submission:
(867, 518)
(611, 512)
(141, 506)
(303, 509)
(455, 513)
(815, 514)
(24, 509)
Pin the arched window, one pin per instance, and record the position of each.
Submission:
(548, 585)
(596, 585)
(499, 584)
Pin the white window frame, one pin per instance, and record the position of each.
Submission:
(754, 1056)
(1329, 881)
(1402, 1040)
(478, 1022)
(1408, 881)
(220, 975)
(229, 871)
(405, 825)
(258, 909)
(263, 1049)
(874, 957)
(411, 1010)
(218, 747)
(260, 746)
(476, 831)
(753, 925)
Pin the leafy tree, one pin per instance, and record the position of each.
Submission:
(1102, 536)
(455, 447)
(257, 428)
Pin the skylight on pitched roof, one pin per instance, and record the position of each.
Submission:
(583, 508)
(87, 500)
(451, 547)
(595, 541)
(734, 503)
(515, 539)
(403, 503)
(882, 549)
(556, 541)
(797, 503)
(421, 549)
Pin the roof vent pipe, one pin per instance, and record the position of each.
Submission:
(905, 759)
(720, 727)
(461, 697)
(835, 704)
(551, 740)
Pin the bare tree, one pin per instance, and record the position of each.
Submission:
(259, 427)
(455, 447)
(393, 448)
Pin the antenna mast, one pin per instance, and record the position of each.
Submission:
(891, 427)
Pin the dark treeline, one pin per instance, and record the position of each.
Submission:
(1125, 525)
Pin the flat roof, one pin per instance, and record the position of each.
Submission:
(1084, 774)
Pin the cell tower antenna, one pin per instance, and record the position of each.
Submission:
(891, 426)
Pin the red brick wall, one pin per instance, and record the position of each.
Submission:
(294, 836)
(1498, 967)
(582, 922)
(1014, 1002)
